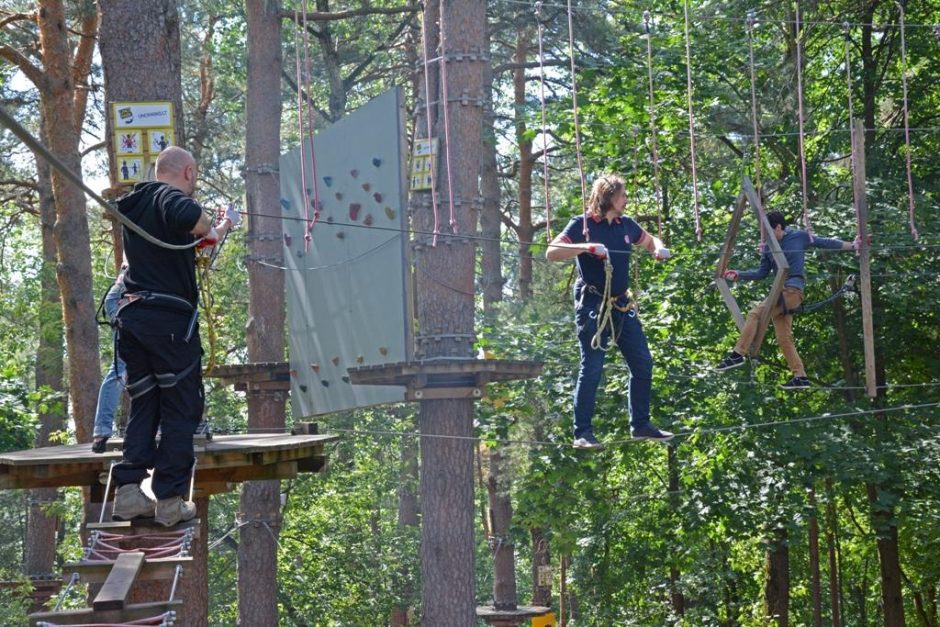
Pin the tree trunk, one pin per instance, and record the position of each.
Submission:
(490, 221)
(814, 584)
(889, 562)
(677, 598)
(445, 317)
(541, 557)
(407, 517)
(260, 500)
(832, 534)
(60, 103)
(504, 558)
(332, 64)
(41, 528)
(525, 229)
(777, 578)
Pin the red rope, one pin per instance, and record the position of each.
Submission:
(688, 92)
(907, 131)
(153, 620)
(755, 121)
(799, 100)
(548, 204)
(443, 66)
(300, 125)
(577, 125)
(657, 185)
(313, 155)
(427, 112)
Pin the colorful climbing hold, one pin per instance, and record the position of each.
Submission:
(335, 361)
(367, 220)
(390, 213)
(354, 173)
(328, 180)
(354, 208)
(366, 186)
(287, 239)
(383, 350)
(376, 161)
(377, 196)
(285, 204)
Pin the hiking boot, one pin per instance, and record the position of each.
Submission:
(649, 432)
(100, 444)
(130, 502)
(732, 360)
(174, 510)
(587, 441)
(797, 383)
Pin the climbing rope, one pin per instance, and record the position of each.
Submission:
(755, 121)
(907, 131)
(304, 192)
(308, 233)
(657, 185)
(105, 547)
(605, 316)
(688, 92)
(577, 124)
(545, 194)
(799, 100)
(427, 115)
(446, 106)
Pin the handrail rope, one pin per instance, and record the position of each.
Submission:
(654, 144)
(688, 92)
(907, 134)
(605, 315)
(799, 100)
(36, 146)
(545, 186)
(852, 158)
(482, 238)
(442, 67)
(755, 121)
(308, 78)
(427, 115)
(305, 191)
(577, 124)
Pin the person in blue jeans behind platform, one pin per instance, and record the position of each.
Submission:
(109, 395)
(603, 234)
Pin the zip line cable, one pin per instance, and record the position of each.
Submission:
(37, 147)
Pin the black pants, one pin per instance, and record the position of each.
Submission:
(152, 342)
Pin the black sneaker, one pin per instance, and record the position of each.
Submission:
(649, 432)
(733, 360)
(100, 444)
(797, 383)
(587, 441)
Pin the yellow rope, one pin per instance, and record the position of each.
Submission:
(605, 315)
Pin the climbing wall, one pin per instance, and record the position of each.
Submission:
(348, 288)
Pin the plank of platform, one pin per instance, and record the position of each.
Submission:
(117, 585)
(88, 615)
(157, 569)
(143, 527)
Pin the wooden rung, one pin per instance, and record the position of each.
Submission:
(142, 526)
(157, 569)
(88, 615)
(118, 584)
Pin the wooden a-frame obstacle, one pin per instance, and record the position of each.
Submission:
(749, 197)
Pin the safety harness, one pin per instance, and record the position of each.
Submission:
(608, 305)
(146, 383)
(848, 286)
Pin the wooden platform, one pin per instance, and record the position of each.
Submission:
(269, 375)
(221, 462)
(510, 618)
(450, 378)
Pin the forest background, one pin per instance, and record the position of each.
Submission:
(819, 508)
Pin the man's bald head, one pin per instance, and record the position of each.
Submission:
(177, 167)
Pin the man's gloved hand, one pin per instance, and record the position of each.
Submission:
(209, 239)
(731, 275)
(598, 250)
(233, 215)
(662, 253)
(857, 242)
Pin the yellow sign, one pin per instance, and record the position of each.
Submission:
(423, 164)
(545, 620)
(141, 131)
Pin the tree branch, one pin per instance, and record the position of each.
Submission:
(81, 63)
(320, 16)
(15, 17)
(293, 85)
(14, 56)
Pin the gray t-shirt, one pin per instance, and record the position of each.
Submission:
(794, 244)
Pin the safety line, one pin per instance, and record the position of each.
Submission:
(310, 133)
(577, 124)
(442, 66)
(427, 114)
(688, 92)
(545, 190)
(657, 183)
(799, 101)
(907, 134)
(755, 121)
(305, 192)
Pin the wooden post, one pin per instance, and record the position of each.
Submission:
(861, 206)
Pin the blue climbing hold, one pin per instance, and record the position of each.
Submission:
(376, 161)
(328, 180)
(285, 204)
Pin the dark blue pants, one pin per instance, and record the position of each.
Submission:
(152, 342)
(633, 346)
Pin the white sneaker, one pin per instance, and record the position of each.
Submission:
(130, 502)
(174, 510)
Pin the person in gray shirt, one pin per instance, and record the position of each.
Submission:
(793, 242)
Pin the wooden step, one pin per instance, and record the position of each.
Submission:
(117, 585)
(88, 615)
(157, 569)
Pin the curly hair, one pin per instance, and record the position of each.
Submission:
(602, 194)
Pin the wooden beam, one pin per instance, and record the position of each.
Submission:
(864, 262)
(114, 591)
(88, 615)
(157, 569)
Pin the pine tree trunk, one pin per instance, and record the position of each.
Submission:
(41, 528)
(888, 558)
(525, 229)
(407, 517)
(777, 579)
(504, 558)
(445, 290)
(814, 584)
(678, 599)
(832, 534)
(490, 220)
(260, 500)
